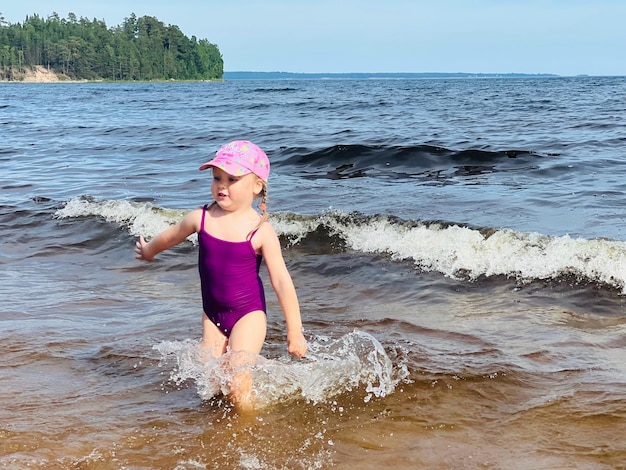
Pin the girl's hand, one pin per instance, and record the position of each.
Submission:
(140, 250)
(296, 344)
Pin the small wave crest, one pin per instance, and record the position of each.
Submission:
(139, 218)
(413, 161)
(356, 361)
(469, 253)
(455, 250)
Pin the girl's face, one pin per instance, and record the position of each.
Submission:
(234, 192)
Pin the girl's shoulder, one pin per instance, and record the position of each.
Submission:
(265, 233)
(194, 218)
(197, 212)
(265, 226)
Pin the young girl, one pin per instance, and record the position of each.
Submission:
(233, 238)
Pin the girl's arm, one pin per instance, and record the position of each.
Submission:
(285, 290)
(169, 237)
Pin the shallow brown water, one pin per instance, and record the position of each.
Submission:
(499, 375)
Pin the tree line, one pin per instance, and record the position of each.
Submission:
(138, 49)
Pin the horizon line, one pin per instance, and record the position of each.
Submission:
(391, 73)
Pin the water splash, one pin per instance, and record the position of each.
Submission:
(353, 362)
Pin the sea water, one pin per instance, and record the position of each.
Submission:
(458, 248)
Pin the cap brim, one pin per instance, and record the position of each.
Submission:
(234, 170)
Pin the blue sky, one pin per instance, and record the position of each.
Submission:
(565, 37)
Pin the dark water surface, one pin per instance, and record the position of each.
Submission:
(458, 246)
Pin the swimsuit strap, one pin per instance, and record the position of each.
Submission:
(255, 231)
(204, 209)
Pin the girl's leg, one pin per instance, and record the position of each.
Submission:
(248, 333)
(214, 342)
(245, 343)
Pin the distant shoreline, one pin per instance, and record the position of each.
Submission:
(244, 75)
(39, 74)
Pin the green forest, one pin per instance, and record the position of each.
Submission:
(139, 49)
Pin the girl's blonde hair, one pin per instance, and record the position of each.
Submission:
(263, 197)
(262, 205)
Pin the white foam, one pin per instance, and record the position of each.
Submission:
(149, 220)
(455, 251)
(356, 360)
(458, 251)
(293, 228)
(138, 218)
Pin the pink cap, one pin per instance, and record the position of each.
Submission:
(240, 158)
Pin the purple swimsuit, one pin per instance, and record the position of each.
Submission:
(229, 279)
